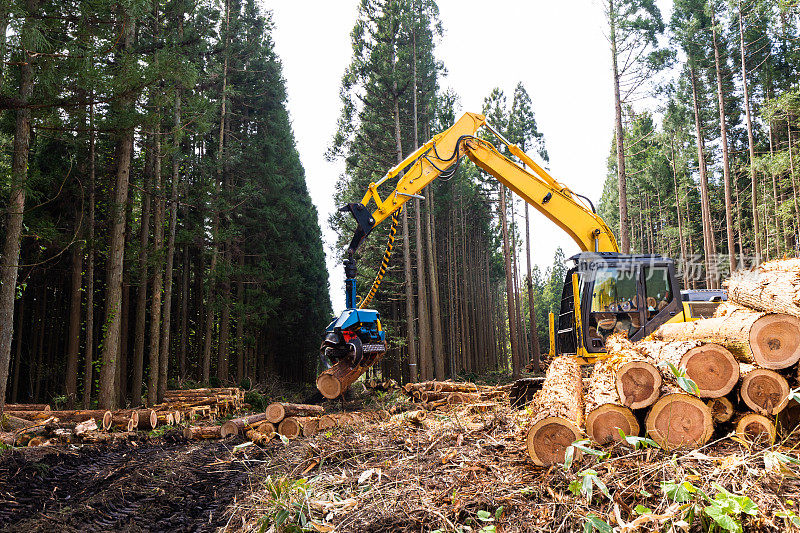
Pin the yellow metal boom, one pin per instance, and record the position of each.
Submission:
(437, 156)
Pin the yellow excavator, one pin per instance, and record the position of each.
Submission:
(604, 291)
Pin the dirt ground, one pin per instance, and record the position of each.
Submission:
(460, 470)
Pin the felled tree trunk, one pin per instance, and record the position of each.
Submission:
(679, 420)
(764, 391)
(638, 381)
(753, 427)
(768, 340)
(148, 419)
(27, 407)
(773, 287)
(64, 416)
(334, 381)
(721, 409)
(125, 420)
(239, 425)
(605, 413)
(712, 367)
(202, 432)
(558, 413)
(278, 411)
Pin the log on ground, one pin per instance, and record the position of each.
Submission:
(27, 407)
(721, 409)
(773, 287)
(712, 367)
(558, 413)
(605, 414)
(638, 381)
(202, 432)
(64, 416)
(679, 420)
(755, 428)
(769, 340)
(764, 391)
(278, 411)
(148, 419)
(237, 426)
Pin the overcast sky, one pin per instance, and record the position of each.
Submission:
(558, 50)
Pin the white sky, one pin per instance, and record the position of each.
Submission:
(556, 49)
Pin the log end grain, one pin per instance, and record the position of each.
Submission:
(753, 427)
(275, 413)
(764, 391)
(638, 384)
(547, 440)
(775, 341)
(329, 386)
(289, 428)
(604, 423)
(721, 409)
(679, 420)
(713, 368)
(229, 429)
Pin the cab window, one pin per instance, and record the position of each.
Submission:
(614, 306)
(658, 292)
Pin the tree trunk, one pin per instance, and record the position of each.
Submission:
(535, 348)
(166, 328)
(71, 379)
(723, 130)
(558, 413)
(113, 307)
(158, 272)
(184, 312)
(750, 143)
(9, 263)
(709, 247)
(624, 230)
(89, 349)
(516, 366)
(436, 309)
(141, 293)
(18, 351)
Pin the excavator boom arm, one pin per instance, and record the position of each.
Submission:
(439, 156)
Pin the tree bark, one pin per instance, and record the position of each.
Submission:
(9, 263)
(750, 142)
(558, 413)
(113, 307)
(278, 411)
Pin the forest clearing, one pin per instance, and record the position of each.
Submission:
(531, 334)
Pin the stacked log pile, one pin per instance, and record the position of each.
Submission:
(435, 394)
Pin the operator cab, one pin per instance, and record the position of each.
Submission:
(629, 294)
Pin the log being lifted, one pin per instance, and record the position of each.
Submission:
(558, 413)
(237, 426)
(753, 427)
(773, 287)
(638, 381)
(712, 367)
(605, 414)
(764, 391)
(768, 340)
(679, 420)
(278, 411)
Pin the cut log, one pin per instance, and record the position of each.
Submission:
(449, 386)
(558, 413)
(463, 397)
(308, 424)
(764, 391)
(721, 409)
(148, 420)
(605, 414)
(334, 381)
(679, 420)
(96, 437)
(773, 287)
(237, 426)
(267, 428)
(257, 437)
(753, 427)
(64, 416)
(414, 417)
(638, 381)
(712, 367)
(7, 438)
(202, 432)
(278, 411)
(10, 422)
(290, 428)
(27, 407)
(127, 420)
(768, 340)
(165, 418)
